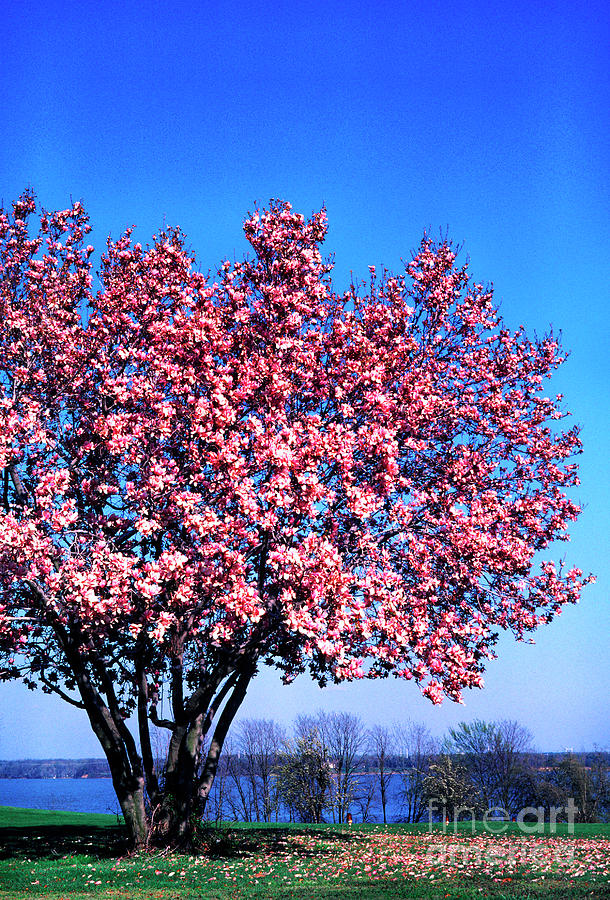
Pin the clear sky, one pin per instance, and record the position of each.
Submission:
(489, 119)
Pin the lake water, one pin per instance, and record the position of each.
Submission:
(92, 795)
(96, 795)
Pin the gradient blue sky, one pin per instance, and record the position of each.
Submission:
(489, 119)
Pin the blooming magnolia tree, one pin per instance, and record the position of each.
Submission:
(201, 475)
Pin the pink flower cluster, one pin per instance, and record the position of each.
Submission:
(356, 483)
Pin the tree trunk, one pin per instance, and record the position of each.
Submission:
(129, 786)
(185, 792)
(134, 812)
(118, 745)
(178, 805)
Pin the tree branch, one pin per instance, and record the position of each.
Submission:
(160, 723)
(220, 732)
(177, 687)
(20, 491)
(60, 693)
(152, 783)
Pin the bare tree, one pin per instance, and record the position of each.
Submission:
(414, 742)
(345, 739)
(367, 790)
(239, 797)
(496, 756)
(510, 751)
(382, 745)
(260, 742)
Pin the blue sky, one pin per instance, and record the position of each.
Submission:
(490, 120)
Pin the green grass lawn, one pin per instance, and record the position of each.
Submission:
(73, 856)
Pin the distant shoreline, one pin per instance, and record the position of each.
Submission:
(54, 768)
(54, 777)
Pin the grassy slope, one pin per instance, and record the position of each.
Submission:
(73, 856)
(14, 817)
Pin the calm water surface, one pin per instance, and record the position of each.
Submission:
(96, 795)
(91, 795)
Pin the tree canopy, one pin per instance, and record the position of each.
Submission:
(201, 474)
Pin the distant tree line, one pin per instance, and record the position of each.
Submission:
(331, 766)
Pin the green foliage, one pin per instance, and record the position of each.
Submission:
(304, 777)
(588, 785)
(449, 790)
